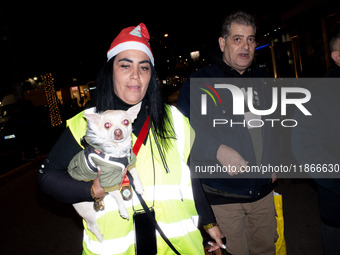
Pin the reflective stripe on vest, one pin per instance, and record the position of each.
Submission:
(184, 144)
(172, 195)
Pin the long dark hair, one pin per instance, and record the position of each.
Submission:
(105, 100)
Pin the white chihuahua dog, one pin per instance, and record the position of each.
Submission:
(108, 149)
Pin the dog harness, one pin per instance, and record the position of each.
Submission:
(91, 152)
(84, 167)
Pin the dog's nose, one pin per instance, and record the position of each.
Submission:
(118, 134)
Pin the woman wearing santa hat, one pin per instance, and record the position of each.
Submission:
(161, 141)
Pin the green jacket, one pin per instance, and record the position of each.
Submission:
(84, 167)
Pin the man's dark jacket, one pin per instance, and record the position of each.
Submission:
(237, 137)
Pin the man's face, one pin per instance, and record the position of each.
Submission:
(239, 47)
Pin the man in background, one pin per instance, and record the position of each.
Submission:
(244, 208)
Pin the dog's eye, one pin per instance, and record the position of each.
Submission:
(125, 122)
(107, 125)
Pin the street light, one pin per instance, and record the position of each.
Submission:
(195, 55)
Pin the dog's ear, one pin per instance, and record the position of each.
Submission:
(134, 110)
(92, 117)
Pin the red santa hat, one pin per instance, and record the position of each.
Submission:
(131, 38)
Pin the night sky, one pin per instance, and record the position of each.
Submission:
(72, 39)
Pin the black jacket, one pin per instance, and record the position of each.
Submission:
(334, 72)
(237, 137)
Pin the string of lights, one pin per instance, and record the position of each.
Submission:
(51, 100)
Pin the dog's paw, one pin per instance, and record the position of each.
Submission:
(138, 185)
(139, 188)
(94, 228)
(124, 214)
(100, 237)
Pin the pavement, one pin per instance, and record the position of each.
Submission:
(301, 216)
(36, 224)
(33, 222)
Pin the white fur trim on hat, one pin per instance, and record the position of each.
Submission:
(130, 45)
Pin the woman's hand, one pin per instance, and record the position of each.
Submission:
(98, 190)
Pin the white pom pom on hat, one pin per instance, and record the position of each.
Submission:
(131, 38)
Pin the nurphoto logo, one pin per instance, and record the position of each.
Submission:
(246, 101)
(254, 116)
(239, 99)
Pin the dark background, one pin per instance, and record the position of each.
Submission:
(71, 39)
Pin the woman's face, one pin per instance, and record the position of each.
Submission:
(131, 75)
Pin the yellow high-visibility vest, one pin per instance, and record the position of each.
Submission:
(171, 197)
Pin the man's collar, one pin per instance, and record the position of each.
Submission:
(232, 71)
